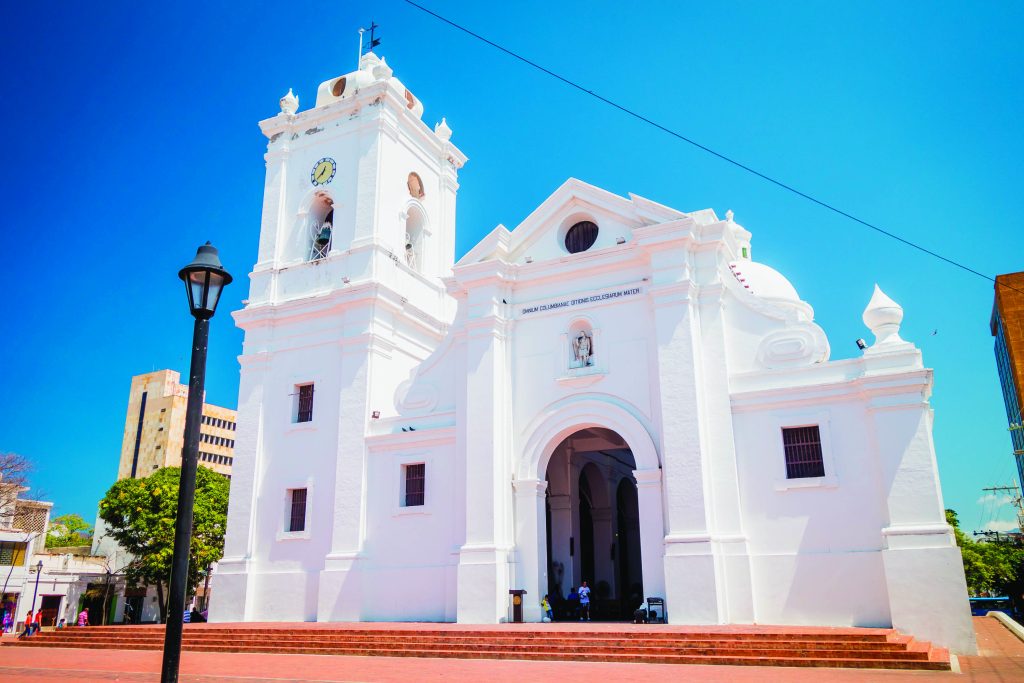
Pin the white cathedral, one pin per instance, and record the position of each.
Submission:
(612, 392)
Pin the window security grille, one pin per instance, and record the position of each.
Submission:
(803, 452)
(415, 484)
(305, 413)
(297, 518)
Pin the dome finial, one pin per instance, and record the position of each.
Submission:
(883, 317)
(290, 103)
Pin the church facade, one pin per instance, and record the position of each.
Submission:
(612, 392)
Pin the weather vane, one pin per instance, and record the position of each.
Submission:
(373, 42)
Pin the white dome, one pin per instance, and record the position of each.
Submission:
(764, 281)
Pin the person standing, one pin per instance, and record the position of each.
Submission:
(545, 609)
(572, 602)
(83, 617)
(584, 593)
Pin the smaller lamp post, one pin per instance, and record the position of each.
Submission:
(204, 280)
(39, 571)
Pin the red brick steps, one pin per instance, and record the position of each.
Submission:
(756, 646)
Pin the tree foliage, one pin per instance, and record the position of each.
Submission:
(140, 515)
(68, 530)
(991, 567)
(14, 471)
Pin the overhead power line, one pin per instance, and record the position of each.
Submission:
(705, 148)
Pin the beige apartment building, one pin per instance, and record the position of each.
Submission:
(154, 429)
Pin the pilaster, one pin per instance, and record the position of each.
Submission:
(483, 578)
(924, 571)
(531, 574)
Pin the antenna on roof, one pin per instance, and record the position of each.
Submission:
(373, 42)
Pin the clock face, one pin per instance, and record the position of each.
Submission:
(323, 171)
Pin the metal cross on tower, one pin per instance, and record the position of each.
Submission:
(373, 42)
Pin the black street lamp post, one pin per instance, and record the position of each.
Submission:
(204, 279)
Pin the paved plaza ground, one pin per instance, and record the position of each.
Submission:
(1001, 660)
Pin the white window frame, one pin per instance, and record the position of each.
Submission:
(821, 420)
(286, 512)
(403, 461)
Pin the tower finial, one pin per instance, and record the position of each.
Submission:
(374, 41)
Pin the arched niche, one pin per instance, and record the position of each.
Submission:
(313, 233)
(582, 344)
(414, 236)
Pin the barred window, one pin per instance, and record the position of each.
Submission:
(803, 452)
(305, 411)
(297, 511)
(415, 484)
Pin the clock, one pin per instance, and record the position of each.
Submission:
(323, 171)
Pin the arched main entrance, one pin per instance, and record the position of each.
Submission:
(593, 525)
(639, 551)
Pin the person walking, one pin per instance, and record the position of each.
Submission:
(7, 620)
(584, 594)
(83, 617)
(38, 622)
(28, 626)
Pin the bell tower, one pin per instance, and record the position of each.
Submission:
(345, 300)
(356, 187)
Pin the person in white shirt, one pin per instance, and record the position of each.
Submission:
(584, 593)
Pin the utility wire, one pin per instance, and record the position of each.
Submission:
(705, 148)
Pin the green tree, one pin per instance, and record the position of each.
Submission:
(140, 515)
(989, 566)
(68, 530)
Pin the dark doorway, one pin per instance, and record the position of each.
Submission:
(50, 608)
(592, 524)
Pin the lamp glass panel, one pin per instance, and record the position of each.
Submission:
(197, 285)
(216, 287)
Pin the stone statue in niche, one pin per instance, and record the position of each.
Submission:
(583, 348)
(410, 253)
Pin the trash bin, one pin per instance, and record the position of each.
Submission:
(654, 606)
(517, 604)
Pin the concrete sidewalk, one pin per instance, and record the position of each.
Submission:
(1001, 660)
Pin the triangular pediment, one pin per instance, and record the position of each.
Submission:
(540, 236)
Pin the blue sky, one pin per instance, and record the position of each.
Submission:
(130, 138)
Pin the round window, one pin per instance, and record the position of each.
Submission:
(581, 237)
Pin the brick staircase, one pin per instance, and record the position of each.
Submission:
(741, 645)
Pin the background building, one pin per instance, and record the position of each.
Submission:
(23, 526)
(154, 429)
(1008, 329)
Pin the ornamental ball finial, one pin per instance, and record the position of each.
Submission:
(289, 103)
(883, 317)
(443, 131)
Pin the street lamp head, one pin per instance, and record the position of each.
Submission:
(204, 279)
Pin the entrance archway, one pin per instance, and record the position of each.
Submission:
(538, 532)
(593, 525)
